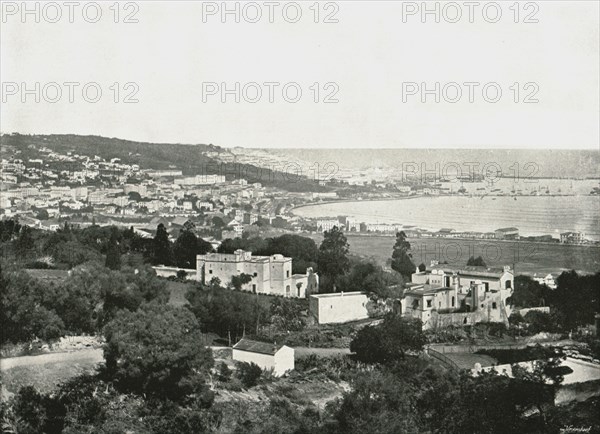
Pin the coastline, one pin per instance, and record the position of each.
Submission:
(431, 229)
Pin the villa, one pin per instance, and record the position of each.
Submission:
(442, 296)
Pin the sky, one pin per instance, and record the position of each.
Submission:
(364, 75)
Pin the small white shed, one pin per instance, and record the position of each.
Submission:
(279, 358)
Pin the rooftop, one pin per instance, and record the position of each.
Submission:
(339, 294)
(257, 347)
(474, 271)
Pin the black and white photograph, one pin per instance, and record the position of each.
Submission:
(300, 217)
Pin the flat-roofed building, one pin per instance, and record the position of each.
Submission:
(268, 274)
(339, 307)
(442, 296)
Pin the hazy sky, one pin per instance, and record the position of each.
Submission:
(371, 55)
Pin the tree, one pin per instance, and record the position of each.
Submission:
(401, 256)
(248, 373)
(286, 314)
(113, 253)
(9, 229)
(370, 277)
(529, 293)
(389, 341)
(302, 250)
(476, 261)
(162, 247)
(225, 312)
(24, 244)
(134, 196)
(333, 259)
(577, 298)
(37, 413)
(239, 281)
(156, 350)
(185, 249)
(378, 402)
(128, 289)
(27, 309)
(218, 222)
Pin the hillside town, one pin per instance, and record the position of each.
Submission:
(45, 191)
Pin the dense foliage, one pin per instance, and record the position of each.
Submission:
(401, 257)
(333, 258)
(156, 351)
(389, 341)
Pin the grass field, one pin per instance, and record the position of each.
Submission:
(46, 371)
(527, 257)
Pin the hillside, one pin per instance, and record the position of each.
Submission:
(192, 159)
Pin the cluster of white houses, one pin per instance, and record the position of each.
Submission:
(441, 296)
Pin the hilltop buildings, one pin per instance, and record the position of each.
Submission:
(267, 274)
(442, 296)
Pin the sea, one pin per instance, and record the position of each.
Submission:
(532, 215)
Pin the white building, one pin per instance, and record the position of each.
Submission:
(327, 225)
(279, 358)
(269, 274)
(338, 307)
(442, 296)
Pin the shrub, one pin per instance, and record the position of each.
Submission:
(248, 373)
(223, 372)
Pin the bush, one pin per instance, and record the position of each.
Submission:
(223, 372)
(248, 373)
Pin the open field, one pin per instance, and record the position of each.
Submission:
(527, 257)
(46, 371)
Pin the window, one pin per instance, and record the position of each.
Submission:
(494, 305)
(415, 304)
(452, 301)
(287, 273)
(253, 288)
(287, 290)
(487, 286)
(255, 274)
(508, 284)
(428, 303)
(209, 271)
